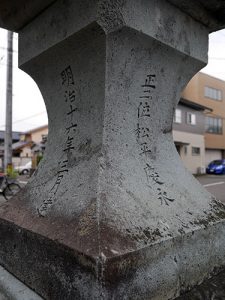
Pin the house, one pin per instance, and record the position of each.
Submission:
(36, 137)
(25, 145)
(188, 134)
(210, 91)
(31, 142)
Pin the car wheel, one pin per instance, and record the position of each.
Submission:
(24, 172)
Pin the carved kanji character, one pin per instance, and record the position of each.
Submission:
(69, 144)
(150, 81)
(162, 196)
(143, 110)
(67, 76)
(69, 96)
(71, 127)
(144, 148)
(72, 110)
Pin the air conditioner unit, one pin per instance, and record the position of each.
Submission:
(201, 170)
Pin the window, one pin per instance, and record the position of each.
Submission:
(177, 116)
(195, 151)
(213, 93)
(213, 125)
(191, 118)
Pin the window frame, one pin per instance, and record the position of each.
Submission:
(191, 114)
(195, 153)
(177, 119)
(213, 93)
(215, 123)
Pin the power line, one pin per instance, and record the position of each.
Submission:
(27, 118)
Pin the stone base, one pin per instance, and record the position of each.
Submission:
(159, 271)
(12, 288)
(212, 288)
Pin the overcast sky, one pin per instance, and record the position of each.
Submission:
(28, 105)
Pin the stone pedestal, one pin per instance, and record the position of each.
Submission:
(111, 212)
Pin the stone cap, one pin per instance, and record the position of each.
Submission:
(14, 14)
(210, 13)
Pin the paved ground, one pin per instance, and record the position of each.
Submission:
(215, 184)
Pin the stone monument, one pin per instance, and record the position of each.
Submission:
(111, 212)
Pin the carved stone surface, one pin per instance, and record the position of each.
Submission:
(111, 212)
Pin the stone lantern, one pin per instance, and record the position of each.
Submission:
(111, 212)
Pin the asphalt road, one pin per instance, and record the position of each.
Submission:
(215, 184)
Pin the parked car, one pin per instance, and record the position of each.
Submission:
(23, 170)
(216, 167)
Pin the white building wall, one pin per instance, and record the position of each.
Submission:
(191, 162)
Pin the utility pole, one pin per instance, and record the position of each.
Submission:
(8, 119)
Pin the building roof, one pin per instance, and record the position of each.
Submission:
(179, 143)
(194, 105)
(19, 145)
(210, 76)
(15, 135)
(35, 129)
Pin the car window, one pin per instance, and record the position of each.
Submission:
(217, 162)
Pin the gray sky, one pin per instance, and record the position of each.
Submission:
(28, 105)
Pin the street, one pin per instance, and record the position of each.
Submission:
(215, 184)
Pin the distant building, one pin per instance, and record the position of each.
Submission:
(209, 91)
(25, 145)
(188, 134)
(33, 140)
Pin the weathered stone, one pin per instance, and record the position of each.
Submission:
(212, 288)
(13, 289)
(111, 212)
(14, 15)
